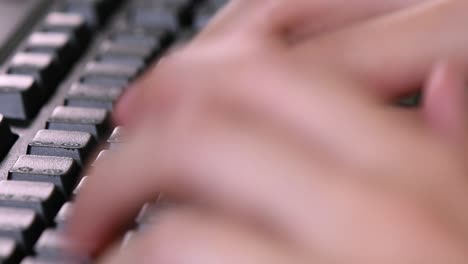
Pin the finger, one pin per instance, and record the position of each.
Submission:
(188, 236)
(176, 165)
(241, 173)
(305, 19)
(392, 55)
(256, 19)
(446, 104)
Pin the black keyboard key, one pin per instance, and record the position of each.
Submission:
(10, 253)
(117, 138)
(72, 24)
(61, 171)
(57, 143)
(22, 225)
(204, 14)
(41, 66)
(92, 120)
(109, 74)
(53, 244)
(155, 18)
(94, 11)
(135, 37)
(41, 197)
(54, 43)
(137, 55)
(80, 186)
(64, 214)
(102, 156)
(7, 138)
(19, 96)
(93, 96)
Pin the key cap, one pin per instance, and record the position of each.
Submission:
(92, 120)
(204, 14)
(57, 143)
(60, 171)
(7, 138)
(159, 18)
(132, 36)
(182, 9)
(22, 225)
(73, 24)
(109, 74)
(94, 11)
(117, 138)
(133, 55)
(9, 251)
(19, 96)
(93, 96)
(42, 67)
(103, 155)
(80, 186)
(53, 244)
(54, 43)
(41, 197)
(64, 214)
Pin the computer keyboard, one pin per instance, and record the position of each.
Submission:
(58, 86)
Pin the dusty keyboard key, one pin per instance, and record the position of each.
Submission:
(119, 75)
(41, 197)
(22, 225)
(19, 96)
(60, 171)
(9, 251)
(117, 138)
(7, 138)
(91, 120)
(57, 143)
(93, 96)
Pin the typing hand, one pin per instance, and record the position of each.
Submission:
(307, 154)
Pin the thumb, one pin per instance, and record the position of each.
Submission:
(445, 104)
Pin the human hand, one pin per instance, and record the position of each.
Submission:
(287, 200)
(190, 104)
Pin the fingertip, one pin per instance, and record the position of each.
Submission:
(446, 102)
(126, 106)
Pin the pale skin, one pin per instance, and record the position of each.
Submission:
(283, 145)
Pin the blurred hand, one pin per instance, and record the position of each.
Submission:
(297, 145)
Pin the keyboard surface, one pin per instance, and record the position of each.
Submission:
(59, 81)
